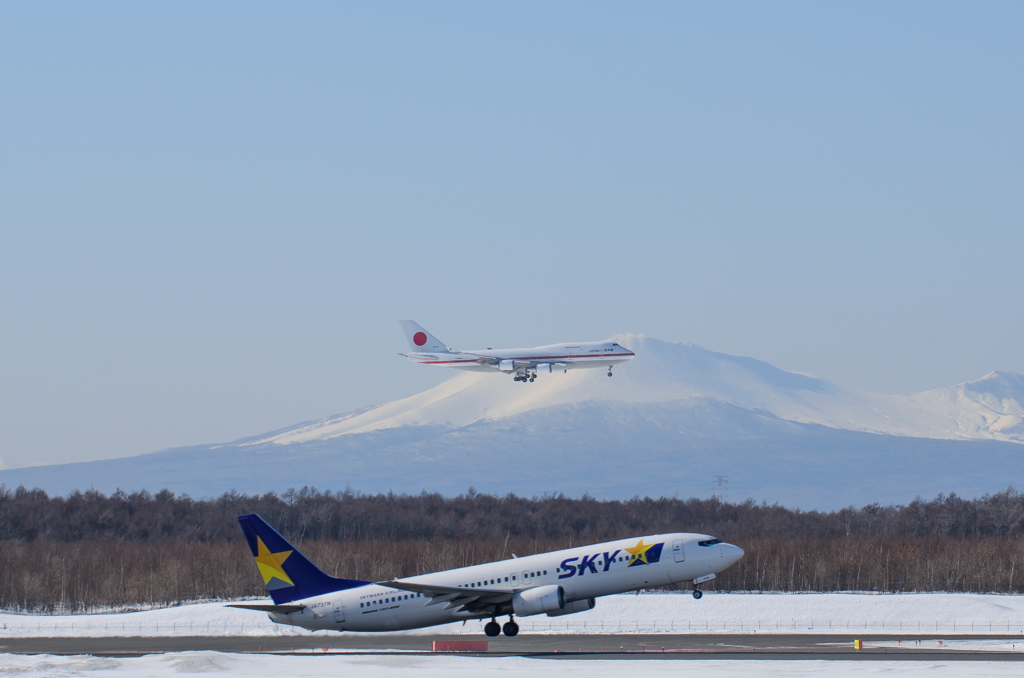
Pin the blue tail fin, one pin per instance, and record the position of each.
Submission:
(288, 574)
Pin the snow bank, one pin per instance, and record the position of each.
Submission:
(647, 613)
(426, 666)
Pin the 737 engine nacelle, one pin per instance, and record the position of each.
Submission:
(574, 607)
(539, 600)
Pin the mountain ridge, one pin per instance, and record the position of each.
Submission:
(665, 424)
(665, 371)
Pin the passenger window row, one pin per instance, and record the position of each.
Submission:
(492, 582)
(393, 599)
(479, 583)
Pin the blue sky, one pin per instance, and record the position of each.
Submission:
(213, 215)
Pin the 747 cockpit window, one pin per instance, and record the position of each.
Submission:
(709, 542)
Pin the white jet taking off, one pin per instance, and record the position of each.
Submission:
(524, 363)
(555, 583)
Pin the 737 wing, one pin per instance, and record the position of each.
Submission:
(454, 597)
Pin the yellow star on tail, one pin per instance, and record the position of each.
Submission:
(638, 553)
(271, 564)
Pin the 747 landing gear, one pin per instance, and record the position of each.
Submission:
(511, 628)
(492, 628)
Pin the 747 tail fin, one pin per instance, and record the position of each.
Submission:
(288, 574)
(420, 340)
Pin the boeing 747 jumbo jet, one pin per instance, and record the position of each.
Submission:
(556, 583)
(524, 363)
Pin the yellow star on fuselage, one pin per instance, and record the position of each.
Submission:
(638, 552)
(271, 564)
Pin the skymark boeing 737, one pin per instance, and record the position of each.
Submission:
(556, 583)
(524, 363)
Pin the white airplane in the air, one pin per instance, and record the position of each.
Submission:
(524, 363)
(556, 583)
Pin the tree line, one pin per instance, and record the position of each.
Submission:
(87, 550)
(32, 515)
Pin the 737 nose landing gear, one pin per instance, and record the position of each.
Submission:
(697, 593)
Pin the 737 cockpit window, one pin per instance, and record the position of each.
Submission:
(709, 542)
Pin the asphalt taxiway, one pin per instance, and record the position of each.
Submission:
(610, 646)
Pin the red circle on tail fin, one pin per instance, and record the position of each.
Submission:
(419, 338)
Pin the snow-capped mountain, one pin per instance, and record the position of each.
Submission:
(989, 408)
(667, 423)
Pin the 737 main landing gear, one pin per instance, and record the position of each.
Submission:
(697, 593)
(511, 628)
(609, 371)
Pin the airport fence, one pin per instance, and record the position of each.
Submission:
(264, 627)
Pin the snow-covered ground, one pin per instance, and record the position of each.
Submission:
(648, 613)
(961, 645)
(384, 666)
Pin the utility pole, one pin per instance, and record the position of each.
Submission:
(721, 485)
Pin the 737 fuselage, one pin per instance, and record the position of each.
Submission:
(524, 363)
(555, 583)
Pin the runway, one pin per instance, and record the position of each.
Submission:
(606, 647)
